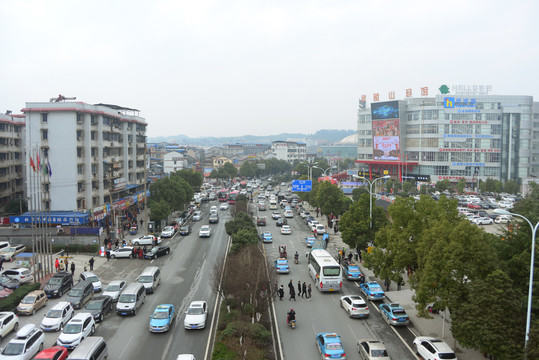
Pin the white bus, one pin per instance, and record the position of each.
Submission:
(325, 271)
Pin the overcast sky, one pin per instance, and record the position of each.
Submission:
(226, 68)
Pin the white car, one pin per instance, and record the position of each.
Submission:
(22, 274)
(313, 224)
(114, 289)
(197, 216)
(123, 252)
(9, 322)
(77, 329)
(146, 240)
(27, 342)
(196, 314)
(91, 277)
(431, 348)
(288, 214)
(320, 229)
(286, 230)
(205, 231)
(167, 232)
(505, 204)
(502, 219)
(355, 306)
(57, 317)
(483, 221)
(372, 350)
(223, 206)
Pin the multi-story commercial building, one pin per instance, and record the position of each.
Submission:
(451, 137)
(239, 151)
(94, 153)
(11, 157)
(289, 150)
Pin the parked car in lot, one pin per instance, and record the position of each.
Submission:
(355, 306)
(32, 302)
(9, 283)
(394, 314)
(9, 253)
(157, 251)
(53, 353)
(8, 322)
(372, 290)
(114, 289)
(60, 283)
(123, 252)
(431, 348)
(205, 231)
(483, 221)
(502, 219)
(57, 316)
(162, 318)
(27, 342)
(330, 346)
(22, 275)
(195, 315)
(372, 350)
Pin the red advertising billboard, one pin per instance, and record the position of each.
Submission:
(385, 130)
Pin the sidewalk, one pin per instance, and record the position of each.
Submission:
(438, 327)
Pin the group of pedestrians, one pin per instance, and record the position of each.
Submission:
(304, 290)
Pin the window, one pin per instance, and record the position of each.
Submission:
(412, 129)
(44, 118)
(428, 156)
(429, 142)
(495, 129)
(79, 134)
(429, 129)
(80, 118)
(442, 156)
(80, 169)
(79, 152)
(412, 142)
(44, 134)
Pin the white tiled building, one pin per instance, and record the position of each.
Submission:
(174, 161)
(11, 157)
(289, 150)
(92, 150)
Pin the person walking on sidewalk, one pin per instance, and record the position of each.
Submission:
(299, 288)
(66, 264)
(290, 286)
(108, 255)
(91, 262)
(309, 292)
(304, 289)
(57, 264)
(73, 268)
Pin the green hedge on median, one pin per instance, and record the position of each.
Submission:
(12, 301)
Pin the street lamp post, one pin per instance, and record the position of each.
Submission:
(309, 169)
(532, 261)
(371, 183)
(325, 171)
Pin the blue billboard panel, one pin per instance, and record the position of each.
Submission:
(302, 185)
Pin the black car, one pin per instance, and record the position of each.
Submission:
(60, 283)
(308, 218)
(9, 283)
(157, 251)
(185, 230)
(99, 306)
(281, 222)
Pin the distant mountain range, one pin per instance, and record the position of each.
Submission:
(321, 136)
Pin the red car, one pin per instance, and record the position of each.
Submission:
(53, 353)
(474, 206)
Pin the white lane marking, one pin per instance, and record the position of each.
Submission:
(126, 347)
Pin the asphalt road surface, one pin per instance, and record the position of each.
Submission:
(323, 312)
(185, 276)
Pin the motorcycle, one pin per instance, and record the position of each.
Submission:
(291, 323)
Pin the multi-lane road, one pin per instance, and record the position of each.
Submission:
(323, 313)
(185, 276)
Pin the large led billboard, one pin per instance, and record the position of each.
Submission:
(385, 130)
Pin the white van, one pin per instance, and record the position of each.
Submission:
(150, 278)
(131, 299)
(273, 204)
(91, 348)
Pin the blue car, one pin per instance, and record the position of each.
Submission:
(372, 291)
(309, 241)
(281, 266)
(330, 346)
(267, 237)
(162, 318)
(394, 314)
(352, 272)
